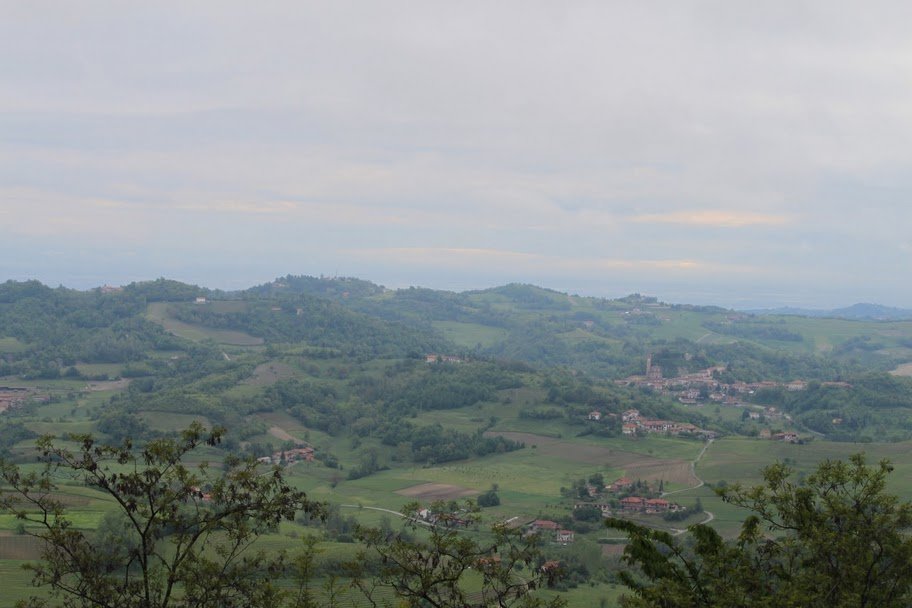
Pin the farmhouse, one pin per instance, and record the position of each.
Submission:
(289, 456)
(488, 564)
(595, 415)
(656, 426)
(543, 524)
(620, 484)
(629, 429)
(633, 503)
(435, 358)
(296, 454)
(550, 566)
(564, 536)
(656, 505)
(630, 416)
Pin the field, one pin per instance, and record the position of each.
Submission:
(469, 335)
(529, 480)
(903, 370)
(158, 312)
(430, 492)
(11, 345)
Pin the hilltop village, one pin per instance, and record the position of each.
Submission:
(704, 386)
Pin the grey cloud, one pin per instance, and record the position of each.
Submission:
(308, 129)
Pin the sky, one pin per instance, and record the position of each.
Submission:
(732, 153)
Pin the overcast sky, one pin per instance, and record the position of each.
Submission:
(737, 153)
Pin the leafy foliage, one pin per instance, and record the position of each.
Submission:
(429, 569)
(836, 540)
(180, 536)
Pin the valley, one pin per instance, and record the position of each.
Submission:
(425, 396)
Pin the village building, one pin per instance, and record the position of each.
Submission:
(289, 456)
(595, 415)
(620, 484)
(630, 416)
(633, 503)
(550, 566)
(656, 505)
(564, 536)
(543, 524)
(787, 437)
(435, 358)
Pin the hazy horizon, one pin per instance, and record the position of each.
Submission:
(669, 296)
(739, 155)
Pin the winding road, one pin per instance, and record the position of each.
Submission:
(693, 471)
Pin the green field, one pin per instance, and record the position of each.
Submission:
(158, 312)
(470, 335)
(11, 345)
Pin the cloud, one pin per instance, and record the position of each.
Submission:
(574, 138)
(714, 218)
(458, 257)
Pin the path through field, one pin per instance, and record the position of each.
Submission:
(693, 470)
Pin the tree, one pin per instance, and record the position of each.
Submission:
(489, 498)
(176, 544)
(587, 513)
(427, 564)
(835, 540)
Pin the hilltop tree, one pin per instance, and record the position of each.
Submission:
(835, 540)
(178, 535)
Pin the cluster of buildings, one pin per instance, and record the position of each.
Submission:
(632, 503)
(546, 528)
(698, 387)
(638, 504)
(289, 456)
(12, 397)
(634, 424)
(435, 358)
(786, 436)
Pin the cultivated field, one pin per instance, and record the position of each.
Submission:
(429, 492)
(158, 312)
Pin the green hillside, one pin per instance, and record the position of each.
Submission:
(419, 395)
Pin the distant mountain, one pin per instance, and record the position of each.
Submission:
(861, 311)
